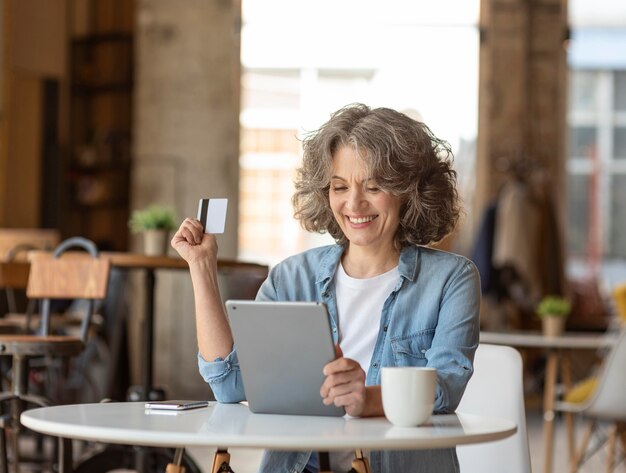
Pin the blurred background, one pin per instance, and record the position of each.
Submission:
(107, 106)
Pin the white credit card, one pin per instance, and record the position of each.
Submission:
(212, 214)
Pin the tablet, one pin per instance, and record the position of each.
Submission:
(282, 349)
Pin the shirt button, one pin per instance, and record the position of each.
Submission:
(385, 328)
(334, 330)
(375, 365)
(423, 350)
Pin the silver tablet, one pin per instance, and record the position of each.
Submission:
(282, 348)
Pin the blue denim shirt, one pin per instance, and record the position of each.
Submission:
(430, 319)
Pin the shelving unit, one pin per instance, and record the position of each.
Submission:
(99, 163)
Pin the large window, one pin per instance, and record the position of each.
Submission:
(303, 60)
(597, 164)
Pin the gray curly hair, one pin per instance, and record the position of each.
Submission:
(404, 158)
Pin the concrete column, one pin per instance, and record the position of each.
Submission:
(522, 95)
(186, 146)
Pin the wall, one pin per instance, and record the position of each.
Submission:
(186, 146)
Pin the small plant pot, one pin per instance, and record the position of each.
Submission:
(155, 242)
(552, 326)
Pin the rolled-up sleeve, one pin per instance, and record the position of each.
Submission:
(224, 377)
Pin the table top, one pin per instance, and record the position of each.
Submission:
(570, 340)
(233, 425)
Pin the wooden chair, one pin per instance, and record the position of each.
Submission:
(14, 267)
(38, 238)
(73, 276)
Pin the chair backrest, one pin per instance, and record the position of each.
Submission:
(12, 239)
(240, 280)
(609, 399)
(496, 390)
(14, 268)
(71, 276)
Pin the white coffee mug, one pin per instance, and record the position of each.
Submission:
(408, 394)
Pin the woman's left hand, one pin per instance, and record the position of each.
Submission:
(345, 385)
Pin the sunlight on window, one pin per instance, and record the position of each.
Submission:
(303, 60)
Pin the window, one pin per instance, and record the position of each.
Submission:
(597, 164)
(304, 63)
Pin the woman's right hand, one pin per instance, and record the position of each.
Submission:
(192, 244)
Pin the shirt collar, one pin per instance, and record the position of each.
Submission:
(408, 267)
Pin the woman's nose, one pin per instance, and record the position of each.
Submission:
(355, 199)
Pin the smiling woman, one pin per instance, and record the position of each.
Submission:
(382, 185)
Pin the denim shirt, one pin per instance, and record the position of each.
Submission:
(430, 319)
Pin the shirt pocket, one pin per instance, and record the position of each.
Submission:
(411, 350)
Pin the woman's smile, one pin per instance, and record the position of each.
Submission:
(368, 216)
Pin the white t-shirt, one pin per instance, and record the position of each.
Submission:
(359, 307)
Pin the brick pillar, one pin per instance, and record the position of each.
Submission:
(186, 138)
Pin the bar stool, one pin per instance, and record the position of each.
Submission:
(73, 276)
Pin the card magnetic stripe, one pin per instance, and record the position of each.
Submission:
(203, 211)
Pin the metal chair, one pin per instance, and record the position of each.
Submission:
(607, 404)
(496, 389)
(73, 276)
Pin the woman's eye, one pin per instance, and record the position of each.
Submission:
(339, 188)
(373, 189)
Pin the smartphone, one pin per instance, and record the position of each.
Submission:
(176, 405)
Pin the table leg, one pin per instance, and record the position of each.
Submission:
(548, 409)
(566, 378)
(610, 450)
(176, 466)
(65, 455)
(360, 463)
(148, 342)
(221, 461)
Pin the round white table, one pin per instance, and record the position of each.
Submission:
(233, 425)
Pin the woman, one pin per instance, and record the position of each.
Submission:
(382, 185)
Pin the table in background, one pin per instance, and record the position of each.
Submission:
(554, 347)
(233, 425)
(150, 264)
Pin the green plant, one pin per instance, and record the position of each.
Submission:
(151, 218)
(553, 306)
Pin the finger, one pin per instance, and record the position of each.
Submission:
(342, 378)
(344, 389)
(338, 351)
(340, 364)
(353, 403)
(190, 235)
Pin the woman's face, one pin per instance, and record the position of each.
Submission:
(368, 216)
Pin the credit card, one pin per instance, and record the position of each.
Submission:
(212, 214)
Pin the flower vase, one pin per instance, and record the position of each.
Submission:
(155, 242)
(552, 325)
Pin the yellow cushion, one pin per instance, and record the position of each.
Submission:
(619, 296)
(582, 391)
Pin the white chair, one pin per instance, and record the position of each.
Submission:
(496, 390)
(607, 404)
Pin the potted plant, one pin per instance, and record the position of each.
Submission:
(155, 222)
(553, 310)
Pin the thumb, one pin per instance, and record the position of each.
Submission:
(338, 352)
